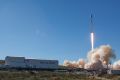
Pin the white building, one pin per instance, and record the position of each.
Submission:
(15, 61)
(21, 62)
(46, 64)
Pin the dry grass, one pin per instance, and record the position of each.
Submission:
(43, 75)
(112, 77)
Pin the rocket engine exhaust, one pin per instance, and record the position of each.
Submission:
(99, 58)
(92, 40)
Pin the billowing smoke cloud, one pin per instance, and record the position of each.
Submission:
(94, 65)
(75, 64)
(103, 53)
(97, 58)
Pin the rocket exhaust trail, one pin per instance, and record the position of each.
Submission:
(91, 33)
(92, 40)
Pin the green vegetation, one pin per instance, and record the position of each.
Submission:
(44, 75)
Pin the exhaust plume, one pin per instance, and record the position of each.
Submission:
(104, 53)
(74, 64)
(92, 40)
(97, 58)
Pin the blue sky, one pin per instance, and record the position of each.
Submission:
(57, 29)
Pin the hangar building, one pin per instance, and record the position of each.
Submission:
(21, 62)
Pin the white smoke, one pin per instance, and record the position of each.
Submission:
(94, 65)
(97, 58)
(75, 64)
